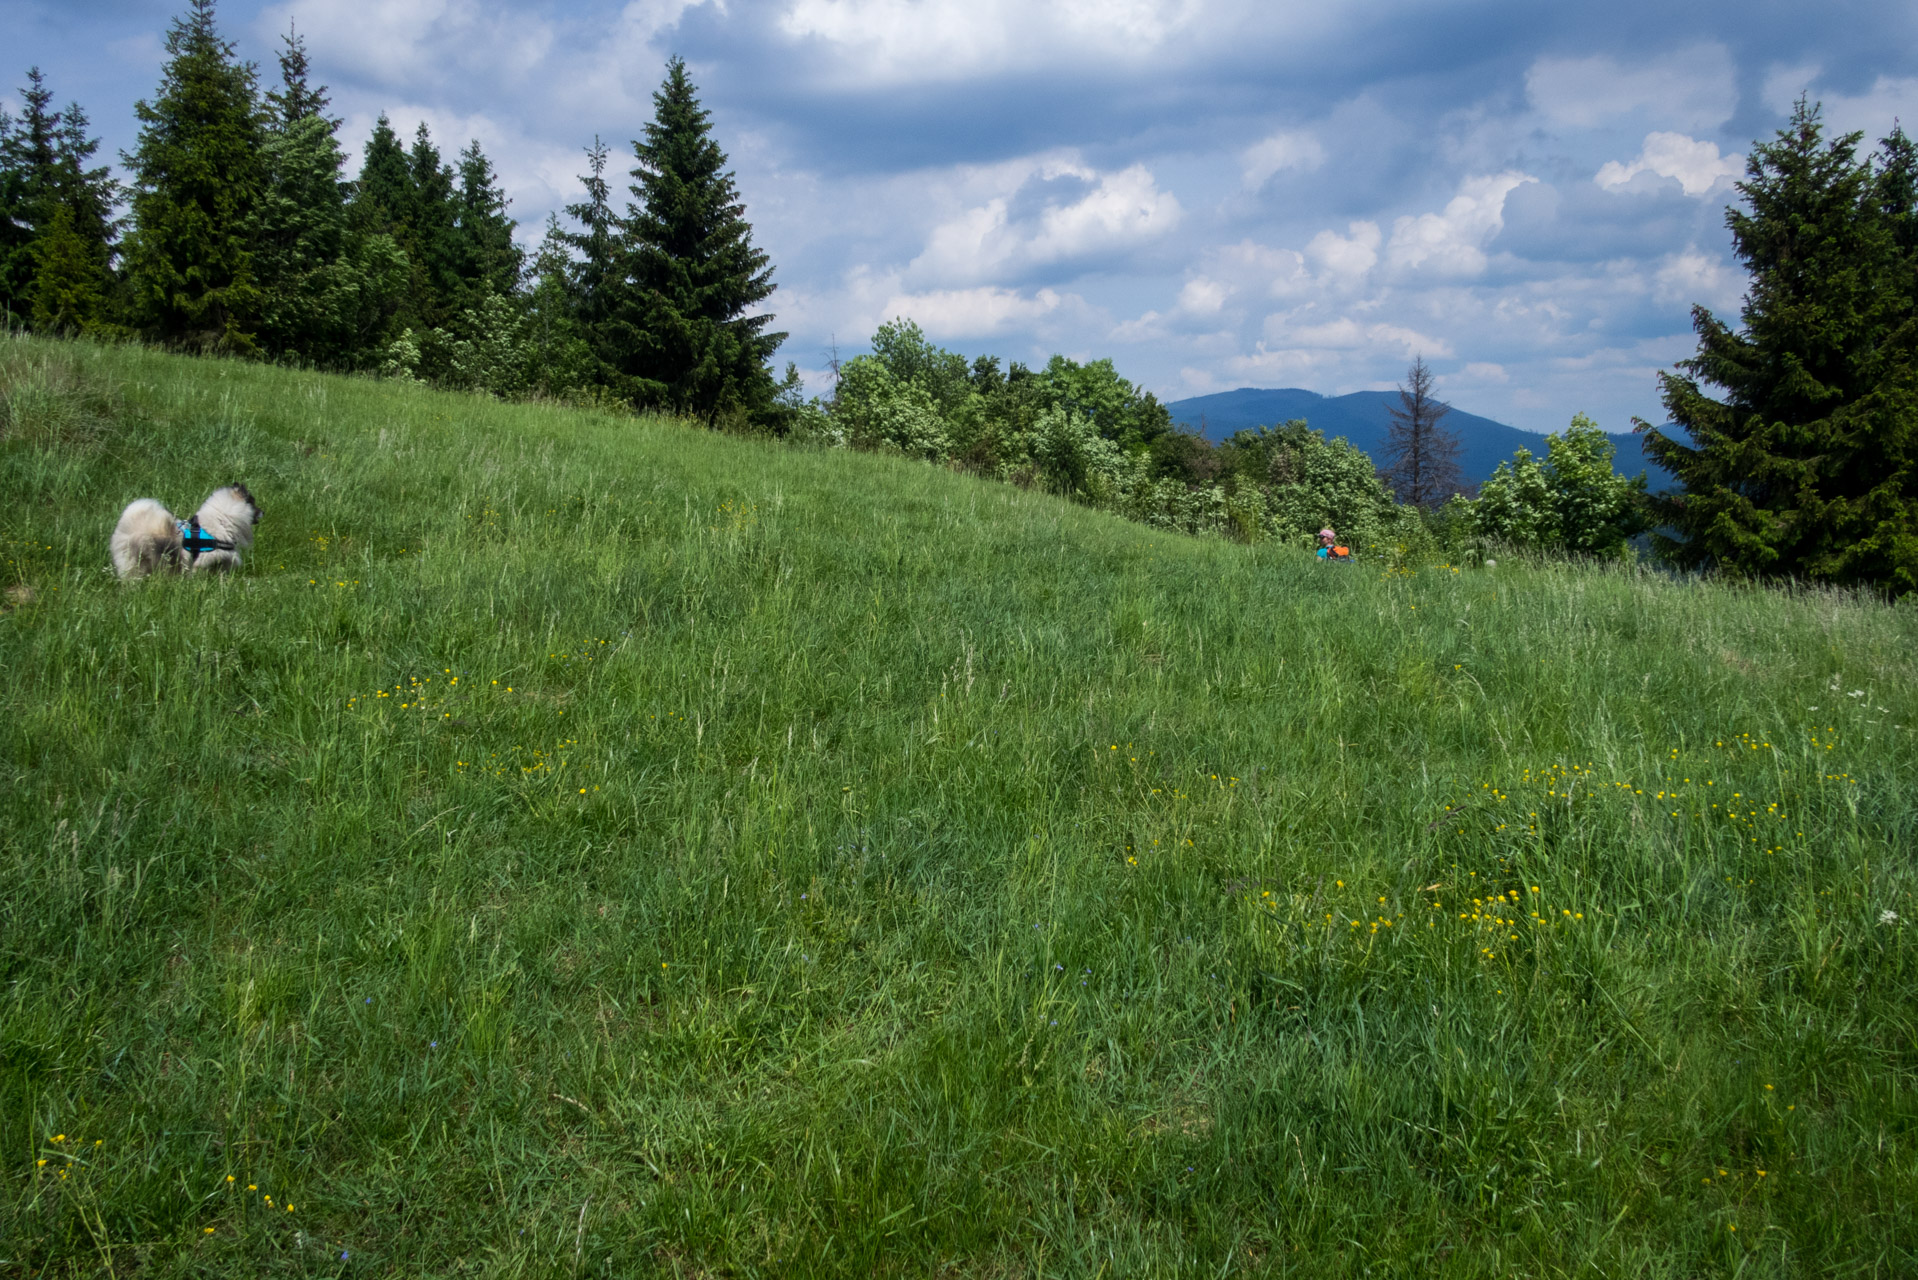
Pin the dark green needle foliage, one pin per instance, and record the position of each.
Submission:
(71, 285)
(592, 269)
(328, 289)
(683, 336)
(57, 228)
(1808, 465)
(489, 261)
(199, 172)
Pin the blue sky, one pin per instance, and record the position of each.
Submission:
(1215, 193)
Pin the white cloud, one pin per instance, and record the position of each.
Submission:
(1202, 296)
(1691, 277)
(1870, 113)
(414, 47)
(1079, 211)
(411, 40)
(1350, 255)
(893, 41)
(1696, 166)
(1693, 89)
(1281, 151)
(946, 314)
(1482, 371)
(1350, 334)
(1449, 243)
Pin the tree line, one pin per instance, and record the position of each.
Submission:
(239, 231)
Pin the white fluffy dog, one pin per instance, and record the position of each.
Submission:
(148, 538)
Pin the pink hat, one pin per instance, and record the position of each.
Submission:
(1327, 533)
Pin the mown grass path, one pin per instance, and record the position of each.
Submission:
(585, 846)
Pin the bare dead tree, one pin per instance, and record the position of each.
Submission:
(1421, 457)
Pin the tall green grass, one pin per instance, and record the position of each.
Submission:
(586, 846)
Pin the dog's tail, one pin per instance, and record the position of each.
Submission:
(146, 539)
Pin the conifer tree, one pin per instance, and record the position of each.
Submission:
(1808, 466)
(594, 269)
(28, 163)
(489, 261)
(198, 174)
(383, 194)
(410, 196)
(300, 226)
(296, 98)
(433, 242)
(48, 189)
(16, 226)
(70, 284)
(90, 193)
(327, 290)
(679, 336)
(1421, 456)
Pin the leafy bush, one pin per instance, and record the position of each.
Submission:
(1082, 431)
(1571, 501)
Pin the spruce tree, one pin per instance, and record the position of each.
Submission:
(296, 98)
(679, 336)
(70, 284)
(488, 260)
(433, 240)
(91, 194)
(48, 189)
(308, 291)
(596, 245)
(1808, 466)
(16, 227)
(198, 174)
(28, 160)
(383, 194)
(411, 197)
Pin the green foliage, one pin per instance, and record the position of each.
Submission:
(592, 274)
(1572, 501)
(863, 869)
(199, 172)
(1310, 483)
(1118, 411)
(1809, 465)
(1082, 431)
(56, 214)
(328, 290)
(27, 162)
(680, 334)
(878, 409)
(71, 287)
(489, 262)
(1518, 504)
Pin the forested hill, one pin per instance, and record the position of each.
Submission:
(1362, 418)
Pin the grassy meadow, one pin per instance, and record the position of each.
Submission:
(584, 846)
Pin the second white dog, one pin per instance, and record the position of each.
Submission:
(149, 539)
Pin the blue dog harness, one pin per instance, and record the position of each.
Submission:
(196, 541)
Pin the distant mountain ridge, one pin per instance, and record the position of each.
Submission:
(1363, 417)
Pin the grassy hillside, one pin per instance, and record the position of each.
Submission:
(583, 846)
